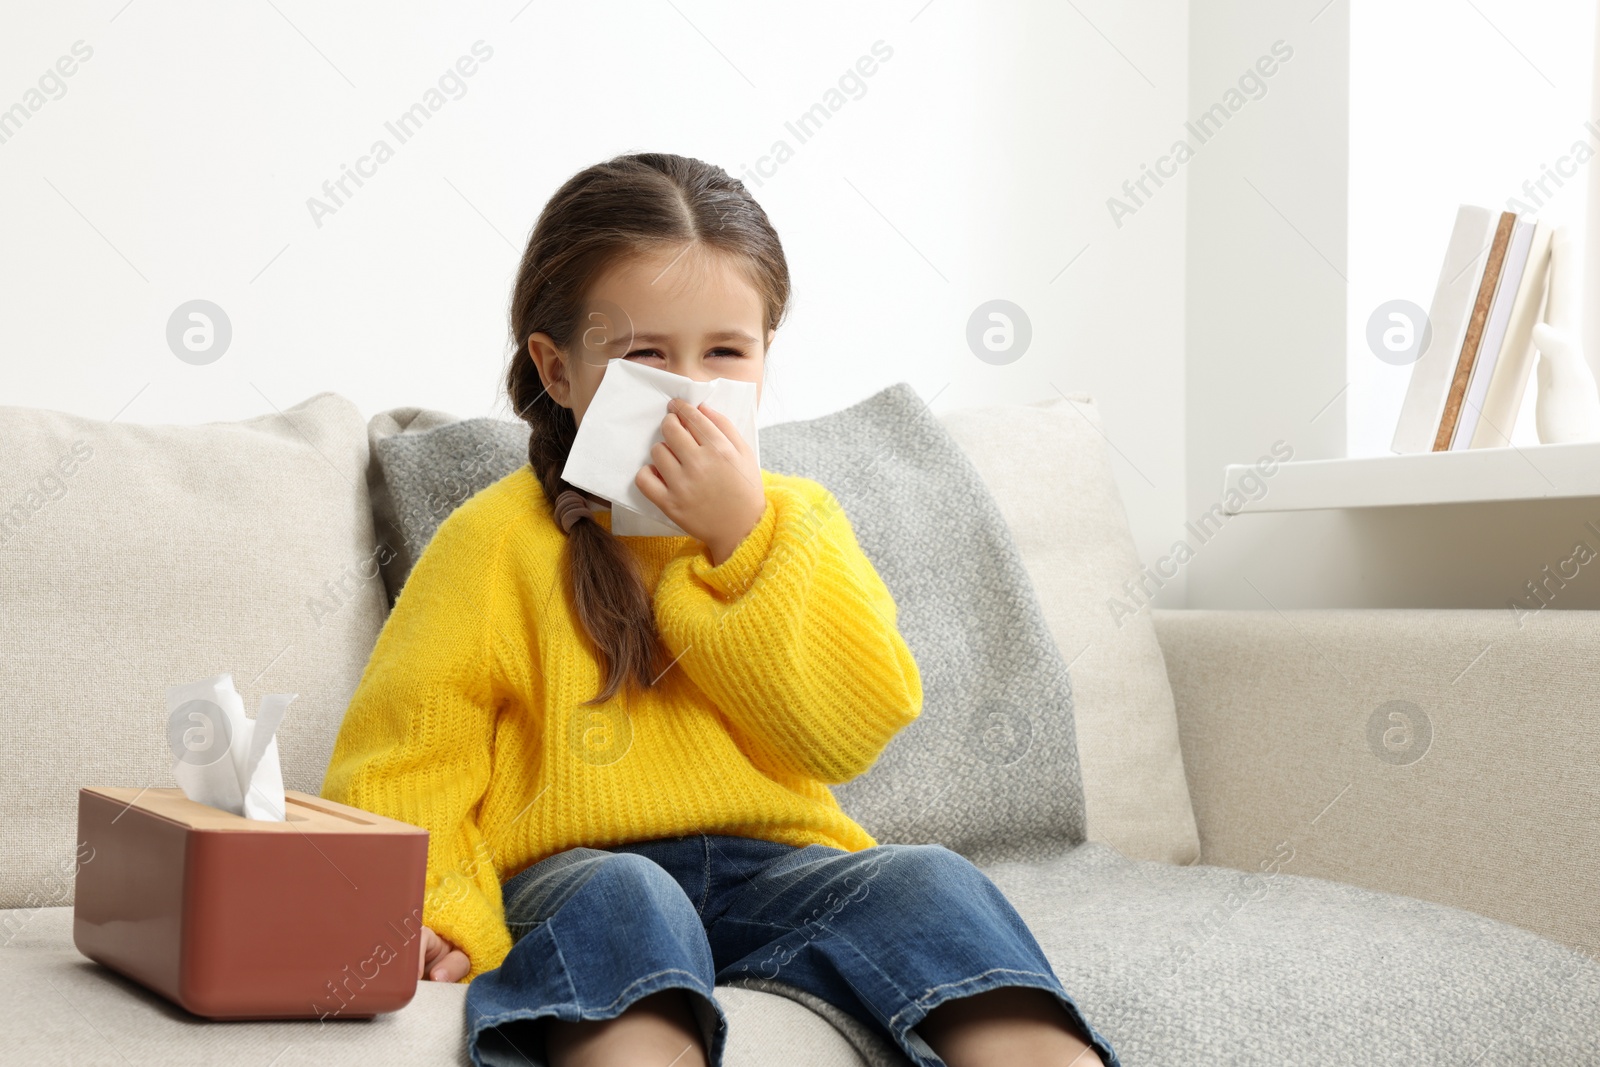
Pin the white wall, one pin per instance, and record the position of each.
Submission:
(1266, 280)
(179, 160)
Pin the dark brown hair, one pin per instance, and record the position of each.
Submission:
(602, 215)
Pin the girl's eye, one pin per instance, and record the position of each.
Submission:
(735, 353)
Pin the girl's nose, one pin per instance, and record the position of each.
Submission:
(693, 370)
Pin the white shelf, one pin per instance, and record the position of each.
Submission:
(1534, 472)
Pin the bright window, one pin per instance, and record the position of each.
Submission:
(1452, 102)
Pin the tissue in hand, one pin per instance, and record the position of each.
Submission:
(623, 423)
(222, 758)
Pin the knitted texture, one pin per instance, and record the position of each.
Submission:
(990, 768)
(787, 673)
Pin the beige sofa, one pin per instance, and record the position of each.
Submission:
(1374, 834)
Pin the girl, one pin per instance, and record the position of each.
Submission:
(638, 733)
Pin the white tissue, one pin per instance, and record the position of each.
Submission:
(220, 757)
(623, 423)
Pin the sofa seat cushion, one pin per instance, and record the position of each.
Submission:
(1205, 964)
(1195, 964)
(64, 1008)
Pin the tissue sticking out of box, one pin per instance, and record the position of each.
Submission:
(222, 758)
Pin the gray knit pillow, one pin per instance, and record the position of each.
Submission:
(424, 465)
(990, 767)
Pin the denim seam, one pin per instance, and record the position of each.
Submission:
(1098, 1041)
(867, 962)
(698, 985)
(919, 1001)
(561, 958)
(487, 1021)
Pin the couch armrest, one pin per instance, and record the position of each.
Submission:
(1452, 756)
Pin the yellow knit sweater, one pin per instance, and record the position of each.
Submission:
(789, 674)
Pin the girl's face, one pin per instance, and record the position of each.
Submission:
(685, 309)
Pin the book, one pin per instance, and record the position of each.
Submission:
(1510, 381)
(1457, 393)
(1447, 317)
(1494, 332)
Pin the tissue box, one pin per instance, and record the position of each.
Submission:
(315, 917)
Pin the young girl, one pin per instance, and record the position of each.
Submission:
(621, 746)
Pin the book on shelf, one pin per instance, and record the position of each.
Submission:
(1467, 386)
(1502, 398)
(1455, 395)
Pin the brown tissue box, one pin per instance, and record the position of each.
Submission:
(318, 917)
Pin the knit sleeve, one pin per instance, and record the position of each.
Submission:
(793, 637)
(416, 740)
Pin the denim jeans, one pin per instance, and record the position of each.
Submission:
(886, 934)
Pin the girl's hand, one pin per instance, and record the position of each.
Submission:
(704, 477)
(439, 960)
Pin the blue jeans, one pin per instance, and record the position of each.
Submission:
(886, 934)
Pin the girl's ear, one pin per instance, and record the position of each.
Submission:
(770, 335)
(552, 364)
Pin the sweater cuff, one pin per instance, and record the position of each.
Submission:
(458, 911)
(733, 576)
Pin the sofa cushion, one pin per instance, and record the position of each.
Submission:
(990, 767)
(1174, 965)
(138, 557)
(1445, 754)
(1204, 964)
(64, 1008)
(1049, 470)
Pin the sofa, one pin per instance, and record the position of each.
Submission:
(1331, 837)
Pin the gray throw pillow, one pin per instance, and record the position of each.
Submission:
(990, 767)
(424, 465)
